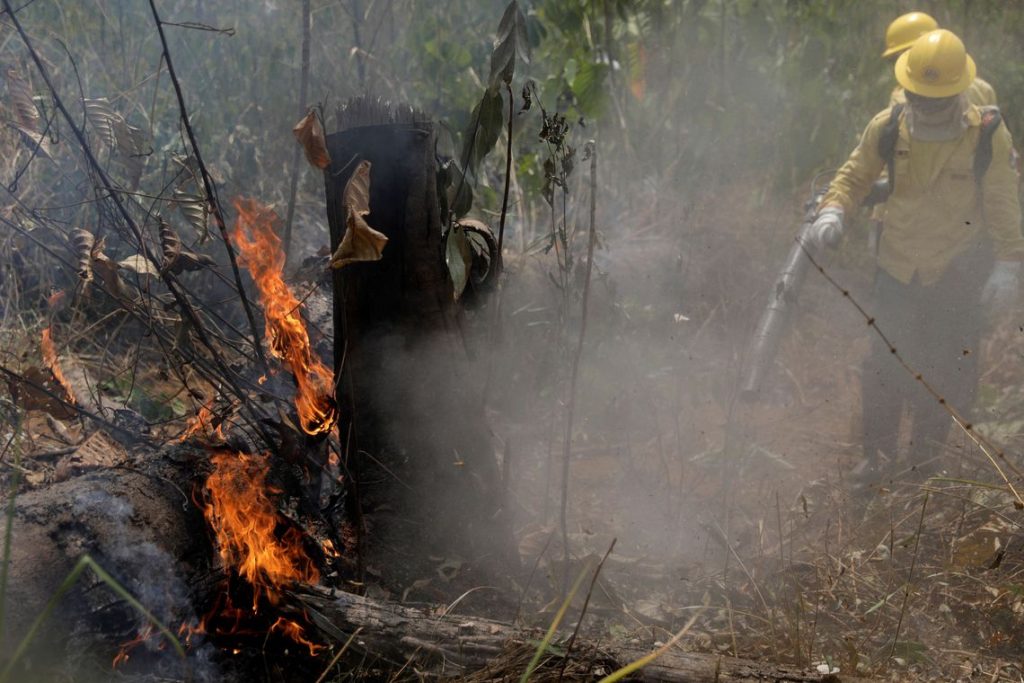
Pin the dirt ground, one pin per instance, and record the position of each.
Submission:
(745, 514)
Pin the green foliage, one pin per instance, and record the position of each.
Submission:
(513, 44)
(484, 129)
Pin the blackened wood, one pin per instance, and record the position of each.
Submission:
(411, 419)
(483, 649)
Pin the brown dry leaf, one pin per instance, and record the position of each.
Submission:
(85, 247)
(25, 112)
(139, 264)
(170, 243)
(97, 451)
(107, 272)
(192, 260)
(361, 242)
(196, 211)
(52, 362)
(30, 394)
(35, 141)
(37, 478)
(310, 135)
(103, 118)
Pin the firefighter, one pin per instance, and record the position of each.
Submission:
(899, 36)
(950, 248)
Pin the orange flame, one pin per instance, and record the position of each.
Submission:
(244, 520)
(200, 422)
(50, 359)
(260, 251)
(296, 633)
(124, 654)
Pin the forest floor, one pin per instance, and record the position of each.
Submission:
(740, 516)
(746, 514)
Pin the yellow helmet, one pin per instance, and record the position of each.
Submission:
(904, 30)
(936, 65)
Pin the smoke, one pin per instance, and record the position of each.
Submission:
(703, 167)
(152, 576)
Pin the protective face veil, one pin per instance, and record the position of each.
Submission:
(936, 119)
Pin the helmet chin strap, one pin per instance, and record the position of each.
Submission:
(936, 119)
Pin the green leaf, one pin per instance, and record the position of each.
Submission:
(588, 87)
(460, 194)
(484, 129)
(512, 42)
(458, 256)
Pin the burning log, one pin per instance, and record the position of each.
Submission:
(142, 523)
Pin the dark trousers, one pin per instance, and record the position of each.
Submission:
(936, 329)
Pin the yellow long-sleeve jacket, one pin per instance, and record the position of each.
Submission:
(935, 212)
(979, 92)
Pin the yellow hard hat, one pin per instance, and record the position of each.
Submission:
(904, 30)
(936, 65)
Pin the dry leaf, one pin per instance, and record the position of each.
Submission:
(103, 118)
(52, 363)
(310, 135)
(97, 451)
(139, 264)
(35, 141)
(191, 260)
(107, 272)
(25, 112)
(195, 210)
(169, 243)
(38, 391)
(85, 245)
(361, 242)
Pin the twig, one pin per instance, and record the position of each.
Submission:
(297, 152)
(591, 147)
(583, 612)
(172, 285)
(211, 190)
(352, 637)
(508, 172)
(910, 576)
(529, 579)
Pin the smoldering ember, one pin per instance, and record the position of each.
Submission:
(495, 340)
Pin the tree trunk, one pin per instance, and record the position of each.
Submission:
(417, 445)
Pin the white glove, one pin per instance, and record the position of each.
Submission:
(827, 228)
(1000, 291)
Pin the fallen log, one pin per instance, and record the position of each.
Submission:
(480, 649)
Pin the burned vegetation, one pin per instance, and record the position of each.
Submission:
(473, 389)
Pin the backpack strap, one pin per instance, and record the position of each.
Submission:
(887, 141)
(990, 120)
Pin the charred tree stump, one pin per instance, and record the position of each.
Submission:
(456, 646)
(417, 446)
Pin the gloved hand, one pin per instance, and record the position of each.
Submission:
(827, 228)
(1001, 289)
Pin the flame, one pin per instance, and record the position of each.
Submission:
(329, 550)
(51, 362)
(200, 422)
(56, 299)
(123, 655)
(296, 633)
(244, 520)
(260, 251)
